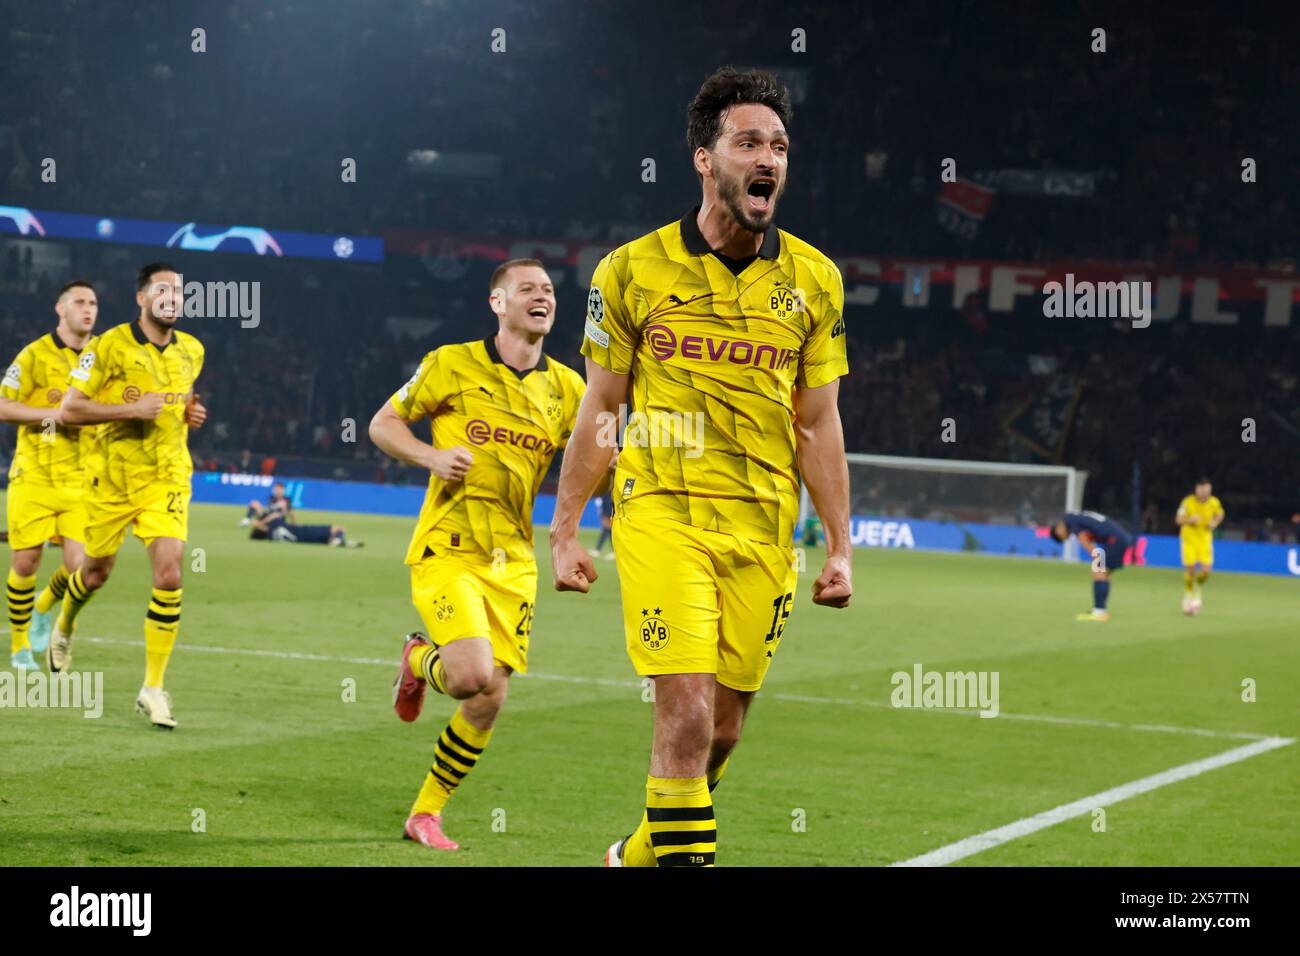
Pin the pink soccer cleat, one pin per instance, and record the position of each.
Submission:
(426, 828)
(409, 688)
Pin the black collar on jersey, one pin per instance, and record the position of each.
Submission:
(696, 244)
(59, 343)
(493, 354)
(144, 339)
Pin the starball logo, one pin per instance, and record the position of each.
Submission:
(480, 432)
(664, 344)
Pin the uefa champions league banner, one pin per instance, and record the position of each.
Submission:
(191, 236)
(1157, 551)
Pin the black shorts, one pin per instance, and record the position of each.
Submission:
(1115, 555)
(305, 533)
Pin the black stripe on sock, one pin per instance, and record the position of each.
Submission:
(451, 735)
(682, 837)
(451, 753)
(450, 785)
(163, 618)
(162, 603)
(20, 592)
(674, 814)
(685, 859)
(458, 774)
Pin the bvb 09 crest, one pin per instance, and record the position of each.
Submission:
(654, 634)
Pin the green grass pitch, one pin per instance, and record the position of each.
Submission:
(286, 771)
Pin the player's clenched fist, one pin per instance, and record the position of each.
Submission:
(834, 586)
(571, 565)
(451, 464)
(148, 406)
(196, 413)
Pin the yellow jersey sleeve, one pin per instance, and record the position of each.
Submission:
(20, 377)
(1214, 508)
(426, 392)
(92, 367)
(824, 356)
(610, 334)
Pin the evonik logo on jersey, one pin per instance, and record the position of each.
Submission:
(480, 432)
(664, 344)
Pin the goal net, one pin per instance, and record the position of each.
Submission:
(961, 492)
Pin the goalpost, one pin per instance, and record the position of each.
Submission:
(945, 489)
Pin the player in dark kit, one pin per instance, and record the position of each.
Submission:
(1107, 541)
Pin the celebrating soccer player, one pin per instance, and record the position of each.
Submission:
(1106, 541)
(1198, 515)
(473, 573)
(45, 478)
(724, 320)
(136, 381)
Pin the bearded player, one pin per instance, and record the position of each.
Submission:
(136, 381)
(738, 325)
(1198, 515)
(44, 500)
(473, 574)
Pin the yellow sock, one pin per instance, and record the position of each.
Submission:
(426, 662)
(1188, 580)
(638, 850)
(73, 601)
(454, 756)
(54, 589)
(1200, 578)
(682, 828)
(161, 623)
(21, 591)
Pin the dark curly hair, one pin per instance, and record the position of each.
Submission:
(730, 87)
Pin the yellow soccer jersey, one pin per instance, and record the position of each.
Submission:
(131, 455)
(1206, 511)
(714, 359)
(46, 455)
(512, 424)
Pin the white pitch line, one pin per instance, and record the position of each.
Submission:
(774, 695)
(1041, 821)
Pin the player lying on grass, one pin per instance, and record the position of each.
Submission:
(1198, 515)
(1106, 542)
(45, 479)
(272, 526)
(473, 573)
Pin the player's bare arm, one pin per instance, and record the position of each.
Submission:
(77, 409)
(18, 413)
(819, 445)
(586, 465)
(394, 437)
